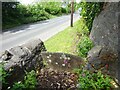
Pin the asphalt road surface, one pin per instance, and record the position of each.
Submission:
(43, 30)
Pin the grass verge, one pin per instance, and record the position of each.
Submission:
(67, 40)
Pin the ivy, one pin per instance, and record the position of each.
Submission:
(89, 11)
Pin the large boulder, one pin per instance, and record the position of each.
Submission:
(104, 34)
(22, 58)
(62, 61)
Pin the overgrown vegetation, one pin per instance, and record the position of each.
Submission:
(93, 81)
(89, 11)
(84, 46)
(3, 75)
(29, 82)
(14, 13)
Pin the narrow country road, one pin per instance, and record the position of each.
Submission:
(43, 30)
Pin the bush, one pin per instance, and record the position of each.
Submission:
(15, 14)
(30, 80)
(84, 46)
(82, 28)
(93, 81)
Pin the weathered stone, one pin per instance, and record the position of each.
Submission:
(23, 58)
(100, 56)
(62, 61)
(104, 34)
(104, 31)
(34, 46)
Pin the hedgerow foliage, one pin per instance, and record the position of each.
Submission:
(14, 13)
(89, 11)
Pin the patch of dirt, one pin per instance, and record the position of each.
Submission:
(51, 79)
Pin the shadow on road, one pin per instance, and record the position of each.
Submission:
(23, 27)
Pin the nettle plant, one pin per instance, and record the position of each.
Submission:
(93, 81)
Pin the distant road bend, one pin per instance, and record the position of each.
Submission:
(43, 30)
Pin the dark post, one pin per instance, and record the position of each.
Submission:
(72, 10)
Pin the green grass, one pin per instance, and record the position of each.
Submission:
(66, 40)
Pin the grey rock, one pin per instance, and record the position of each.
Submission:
(22, 58)
(99, 57)
(104, 35)
(62, 61)
(104, 31)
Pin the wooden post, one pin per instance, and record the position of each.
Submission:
(72, 10)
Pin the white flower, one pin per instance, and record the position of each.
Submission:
(19, 82)
(63, 64)
(68, 58)
(8, 87)
(60, 57)
(50, 61)
(56, 63)
(48, 57)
